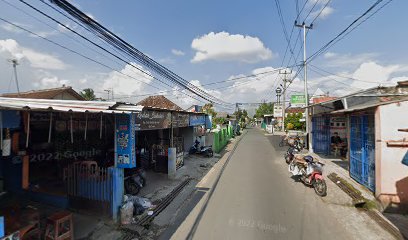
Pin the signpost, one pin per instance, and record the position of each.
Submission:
(298, 100)
(277, 110)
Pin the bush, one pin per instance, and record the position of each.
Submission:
(290, 126)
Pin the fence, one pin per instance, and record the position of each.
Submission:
(221, 138)
(87, 181)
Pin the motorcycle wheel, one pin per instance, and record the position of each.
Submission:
(287, 158)
(320, 187)
(132, 188)
(209, 153)
(143, 181)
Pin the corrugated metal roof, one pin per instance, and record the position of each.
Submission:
(368, 105)
(67, 105)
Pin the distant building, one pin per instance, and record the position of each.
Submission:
(61, 93)
(159, 101)
(194, 108)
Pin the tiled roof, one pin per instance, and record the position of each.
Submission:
(45, 93)
(294, 110)
(159, 101)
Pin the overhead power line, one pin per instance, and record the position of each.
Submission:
(115, 41)
(345, 31)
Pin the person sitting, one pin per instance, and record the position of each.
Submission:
(338, 145)
(336, 140)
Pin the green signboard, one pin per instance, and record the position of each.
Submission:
(297, 100)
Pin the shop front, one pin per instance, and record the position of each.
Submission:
(329, 135)
(66, 153)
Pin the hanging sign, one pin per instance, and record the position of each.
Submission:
(277, 110)
(180, 119)
(150, 119)
(298, 100)
(196, 120)
(125, 141)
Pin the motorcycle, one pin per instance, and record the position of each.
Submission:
(310, 173)
(134, 181)
(203, 150)
(294, 149)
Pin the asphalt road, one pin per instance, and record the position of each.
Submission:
(257, 199)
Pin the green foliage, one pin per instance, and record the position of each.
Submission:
(88, 94)
(219, 120)
(264, 108)
(208, 108)
(290, 126)
(241, 115)
(292, 121)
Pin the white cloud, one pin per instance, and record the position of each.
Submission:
(368, 74)
(11, 28)
(375, 73)
(177, 52)
(36, 59)
(326, 12)
(223, 46)
(125, 85)
(347, 60)
(50, 82)
(323, 9)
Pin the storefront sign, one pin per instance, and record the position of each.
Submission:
(150, 119)
(125, 141)
(180, 119)
(277, 110)
(196, 120)
(297, 100)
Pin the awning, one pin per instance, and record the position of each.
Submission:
(67, 105)
(365, 106)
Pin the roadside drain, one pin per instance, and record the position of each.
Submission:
(364, 205)
(146, 219)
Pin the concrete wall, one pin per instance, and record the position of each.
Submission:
(188, 135)
(391, 174)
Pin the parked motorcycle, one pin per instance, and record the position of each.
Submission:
(294, 149)
(203, 150)
(134, 181)
(310, 173)
(290, 154)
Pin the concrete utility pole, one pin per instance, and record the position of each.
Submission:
(15, 63)
(285, 80)
(303, 25)
(108, 91)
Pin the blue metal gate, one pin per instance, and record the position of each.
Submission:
(362, 150)
(321, 134)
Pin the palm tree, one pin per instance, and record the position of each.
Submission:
(88, 94)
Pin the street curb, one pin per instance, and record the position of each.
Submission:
(210, 193)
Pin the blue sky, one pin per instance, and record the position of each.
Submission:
(208, 41)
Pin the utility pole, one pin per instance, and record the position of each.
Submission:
(303, 25)
(108, 91)
(15, 63)
(285, 80)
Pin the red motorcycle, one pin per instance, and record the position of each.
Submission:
(310, 173)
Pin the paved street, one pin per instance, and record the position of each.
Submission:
(257, 199)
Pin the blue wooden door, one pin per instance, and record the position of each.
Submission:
(321, 134)
(362, 150)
